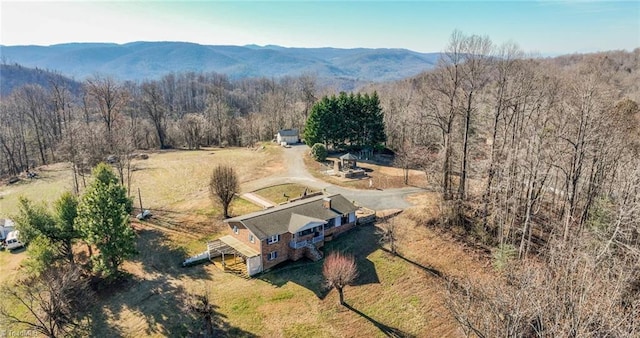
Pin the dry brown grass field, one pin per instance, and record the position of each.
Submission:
(393, 295)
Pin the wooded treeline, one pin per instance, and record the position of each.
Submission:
(41, 125)
(521, 141)
(538, 160)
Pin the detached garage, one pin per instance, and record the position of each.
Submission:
(290, 136)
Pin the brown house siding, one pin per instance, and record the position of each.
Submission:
(335, 231)
(297, 253)
(282, 247)
(285, 252)
(243, 235)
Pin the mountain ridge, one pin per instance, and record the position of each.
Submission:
(142, 60)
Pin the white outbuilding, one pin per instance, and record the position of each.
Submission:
(290, 136)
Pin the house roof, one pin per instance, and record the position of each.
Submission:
(300, 222)
(277, 220)
(240, 247)
(348, 156)
(288, 132)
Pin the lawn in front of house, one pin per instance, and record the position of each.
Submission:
(282, 193)
(392, 295)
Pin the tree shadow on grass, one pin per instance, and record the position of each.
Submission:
(359, 242)
(429, 270)
(154, 298)
(387, 330)
(221, 327)
(157, 253)
(432, 271)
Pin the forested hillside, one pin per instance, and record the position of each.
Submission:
(15, 76)
(537, 160)
(137, 61)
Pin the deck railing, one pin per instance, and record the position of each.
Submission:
(302, 244)
(298, 245)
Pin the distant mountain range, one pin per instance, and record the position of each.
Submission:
(152, 60)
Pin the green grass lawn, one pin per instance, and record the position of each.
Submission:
(282, 193)
(52, 181)
(391, 296)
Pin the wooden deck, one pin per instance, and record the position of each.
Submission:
(231, 264)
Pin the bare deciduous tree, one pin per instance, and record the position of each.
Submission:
(108, 97)
(52, 305)
(571, 293)
(153, 105)
(203, 308)
(192, 127)
(223, 186)
(339, 270)
(388, 234)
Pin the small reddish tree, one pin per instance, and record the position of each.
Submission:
(339, 271)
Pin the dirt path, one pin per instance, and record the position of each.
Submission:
(257, 199)
(297, 173)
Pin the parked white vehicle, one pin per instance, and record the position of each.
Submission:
(144, 215)
(6, 226)
(12, 241)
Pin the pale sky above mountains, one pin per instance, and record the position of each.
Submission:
(544, 27)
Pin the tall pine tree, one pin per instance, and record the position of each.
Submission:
(103, 221)
(346, 121)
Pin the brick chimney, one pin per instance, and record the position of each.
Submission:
(326, 203)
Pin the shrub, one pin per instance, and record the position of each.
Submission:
(319, 152)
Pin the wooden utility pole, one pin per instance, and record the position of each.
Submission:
(140, 198)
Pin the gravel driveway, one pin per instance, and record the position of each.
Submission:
(297, 173)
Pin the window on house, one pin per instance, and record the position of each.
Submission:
(344, 219)
(305, 232)
(251, 238)
(272, 255)
(330, 223)
(235, 229)
(273, 239)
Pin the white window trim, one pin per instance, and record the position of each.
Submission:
(273, 239)
(235, 229)
(272, 255)
(252, 238)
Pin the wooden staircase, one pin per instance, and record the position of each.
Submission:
(312, 252)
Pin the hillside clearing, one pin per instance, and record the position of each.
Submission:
(290, 300)
(175, 180)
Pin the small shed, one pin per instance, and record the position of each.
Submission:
(290, 136)
(348, 161)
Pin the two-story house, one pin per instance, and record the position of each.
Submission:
(286, 232)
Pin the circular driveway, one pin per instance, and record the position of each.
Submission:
(297, 173)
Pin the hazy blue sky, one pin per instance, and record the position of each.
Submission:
(547, 27)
